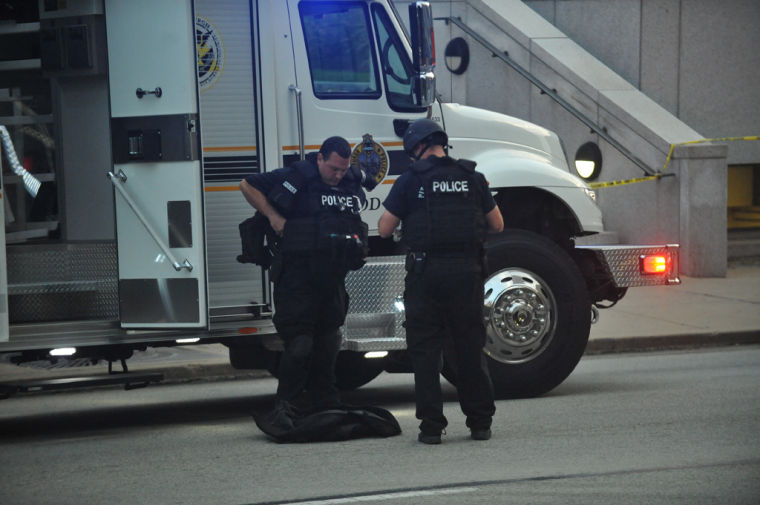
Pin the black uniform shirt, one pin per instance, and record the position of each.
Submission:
(408, 193)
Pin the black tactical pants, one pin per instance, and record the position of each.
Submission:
(310, 306)
(446, 300)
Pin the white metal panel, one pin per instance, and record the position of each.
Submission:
(151, 186)
(148, 45)
(278, 69)
(139, 256)
(152, 44)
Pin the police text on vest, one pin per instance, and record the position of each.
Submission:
(450, 186)
(338, 201)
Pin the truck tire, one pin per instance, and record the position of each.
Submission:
(252, 356)
(353, 370)
(537, 314)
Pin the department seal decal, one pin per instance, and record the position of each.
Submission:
(371, 157)
(210, 53)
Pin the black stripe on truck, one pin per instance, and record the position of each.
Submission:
(229, 168)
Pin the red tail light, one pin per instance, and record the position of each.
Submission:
(654, 264)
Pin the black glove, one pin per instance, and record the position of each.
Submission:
(360, 175)
(368, 180)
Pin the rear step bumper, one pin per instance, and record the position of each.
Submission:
(623, 262)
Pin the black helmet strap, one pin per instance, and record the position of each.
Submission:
(431, 140)
(417, 157)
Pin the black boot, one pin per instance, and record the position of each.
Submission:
(481, 434)
(429, 438)
(282, 416)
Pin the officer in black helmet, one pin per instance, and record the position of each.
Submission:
(445, 209)
(314, 206)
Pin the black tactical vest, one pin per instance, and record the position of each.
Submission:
(283, 196)
(452, 219)
(326, 220)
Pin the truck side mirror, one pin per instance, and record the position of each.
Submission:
(423, 52)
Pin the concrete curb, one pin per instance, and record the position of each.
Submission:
(672, 342)
(219, 370)
(201, 372)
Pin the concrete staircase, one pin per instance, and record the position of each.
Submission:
(744, 244)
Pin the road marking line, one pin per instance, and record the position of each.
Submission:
(469, 488)
(384, 496)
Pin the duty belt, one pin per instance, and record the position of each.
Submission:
(460, 254)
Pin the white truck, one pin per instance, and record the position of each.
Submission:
(140, 118)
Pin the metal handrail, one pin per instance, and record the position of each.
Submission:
(504, 56)
(299, 113)
(117, 181)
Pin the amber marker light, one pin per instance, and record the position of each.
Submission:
(654, 264)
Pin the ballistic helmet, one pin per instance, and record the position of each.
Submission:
(425, 130)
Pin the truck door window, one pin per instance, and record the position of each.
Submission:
(395, 63)
(340, 50)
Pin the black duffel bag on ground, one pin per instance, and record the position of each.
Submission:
(343, 422)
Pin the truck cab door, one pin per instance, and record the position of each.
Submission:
(156, 164)
(3, 268)
(355, 74)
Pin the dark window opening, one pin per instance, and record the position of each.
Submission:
(395, 64)
(340, 50)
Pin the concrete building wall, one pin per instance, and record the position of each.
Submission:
(650, 212)
(696, 58)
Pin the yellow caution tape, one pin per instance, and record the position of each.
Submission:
(597, 185)
(608, 184)
(721, 139)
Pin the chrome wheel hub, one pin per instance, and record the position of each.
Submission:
(520, 315)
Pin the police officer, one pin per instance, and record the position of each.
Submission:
(314, 206)
(445, 209)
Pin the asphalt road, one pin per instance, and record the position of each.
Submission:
(625, 429)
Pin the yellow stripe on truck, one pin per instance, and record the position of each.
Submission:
(224, 149)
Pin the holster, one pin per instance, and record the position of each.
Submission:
(483, 263)
(258, 241)
(415, 262)
(350, 246)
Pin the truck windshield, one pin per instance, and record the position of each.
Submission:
(340, 50)
(395, 62)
